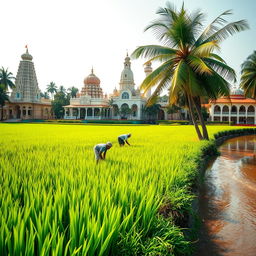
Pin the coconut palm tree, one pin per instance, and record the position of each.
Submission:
(3, 98)
(248, 76)
(73, 91)
(51, 88)
(189, 65)
(62, 89)
(6, 79)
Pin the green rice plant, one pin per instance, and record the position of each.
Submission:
(54, 199)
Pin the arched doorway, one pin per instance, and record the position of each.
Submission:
(125, 111)
(17, 111)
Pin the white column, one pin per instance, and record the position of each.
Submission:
(71, 112)
(78, 114)
(254, 115)
(138, 112)
(246, 113)
(85, 113)
(65, 113)
(229, 114)
(221, 108)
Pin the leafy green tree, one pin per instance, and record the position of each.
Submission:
(51, 88)
(3, 98)
(189, 65)
(6, 79)
(248, 77)
(73, 91)
(60, 100)
(151, 111)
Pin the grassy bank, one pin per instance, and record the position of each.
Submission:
(56, 201)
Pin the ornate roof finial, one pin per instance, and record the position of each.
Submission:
(92, 69)
(127, 53)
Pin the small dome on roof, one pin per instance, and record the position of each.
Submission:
(237, 91)
(92, 79)
(26, 56)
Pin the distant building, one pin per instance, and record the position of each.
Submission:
(90, 103)
(236, 108)
(127, 102)
(25, 100)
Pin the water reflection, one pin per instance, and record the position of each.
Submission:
(227, 202)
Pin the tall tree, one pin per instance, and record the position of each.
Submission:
(51, 88)
(60, 100)
(248, 77)
(3, 98)
(73, 91)
(6, 79)
(62, 89)
(189, 65)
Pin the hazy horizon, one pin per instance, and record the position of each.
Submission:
(67, 38)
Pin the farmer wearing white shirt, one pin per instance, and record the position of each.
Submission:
(122, 139)
(100, 151)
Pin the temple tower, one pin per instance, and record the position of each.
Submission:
(148, 70)
(26, 85)
(127, 81)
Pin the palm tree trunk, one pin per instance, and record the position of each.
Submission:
(199, 134)
(201, 119)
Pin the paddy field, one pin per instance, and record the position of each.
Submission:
(54, 199)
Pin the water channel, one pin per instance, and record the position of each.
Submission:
(227, 201)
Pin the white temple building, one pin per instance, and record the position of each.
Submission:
(236, 108)
(126, 102)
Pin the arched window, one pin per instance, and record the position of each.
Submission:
(251, 109)
(217, 109)
(225, 110)
(234, 110)
(242, 110)
(125, 95)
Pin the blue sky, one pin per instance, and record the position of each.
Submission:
(67, 38)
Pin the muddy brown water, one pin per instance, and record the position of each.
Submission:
(227, 201)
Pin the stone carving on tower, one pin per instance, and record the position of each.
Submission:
(26, 85)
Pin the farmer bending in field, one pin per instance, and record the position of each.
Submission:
(100, 151)
(122, 139)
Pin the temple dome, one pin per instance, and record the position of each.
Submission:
(26, 56)
(237, 91)
(92, 79)
(92, 86)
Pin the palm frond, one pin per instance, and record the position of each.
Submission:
(198, 65)
(204, 50)
(228, 30)
(151, 51)
(222, 69)
(157, 75)
(212, 27)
